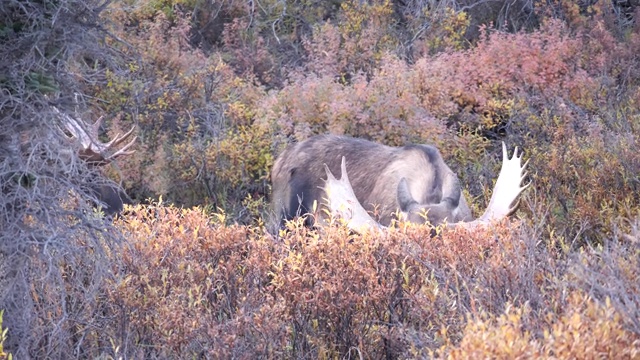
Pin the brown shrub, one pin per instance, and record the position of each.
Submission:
(192, 287)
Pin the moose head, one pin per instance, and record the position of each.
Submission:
(342, 202)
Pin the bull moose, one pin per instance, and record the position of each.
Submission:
(84, 137)
(412, 181)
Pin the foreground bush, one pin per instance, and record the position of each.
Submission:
(53, 248)
(585, 330)
(193, 287)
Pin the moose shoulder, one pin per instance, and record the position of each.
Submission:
(409, 180)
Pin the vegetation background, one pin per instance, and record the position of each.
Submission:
(216, 89)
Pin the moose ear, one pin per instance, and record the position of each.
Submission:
(405, 199)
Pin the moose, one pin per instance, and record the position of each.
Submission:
(84, 138)
(412, 181)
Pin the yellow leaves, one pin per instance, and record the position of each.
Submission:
(3, 338)
(589, 330)
(239, 111)
(499, 338)
(133, 66)
(405, 275)
(166, 101)
(359, 14)
(447, 29)
(496, 112)
(355, 17)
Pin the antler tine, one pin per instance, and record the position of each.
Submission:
(119, 138)
(124, 150)
(95, 127)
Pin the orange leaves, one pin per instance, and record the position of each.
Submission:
(386, 108)
(584, 174)
(190, 286)
(479, 88)
(185, 275)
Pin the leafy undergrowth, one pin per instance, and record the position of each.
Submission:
(216, 90)
(193, 287)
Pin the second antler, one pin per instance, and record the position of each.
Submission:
(92, 149)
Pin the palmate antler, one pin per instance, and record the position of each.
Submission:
(342, 202)
(507, 188)
(92, 149)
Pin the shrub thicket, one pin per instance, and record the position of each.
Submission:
(212, 127)
(218, 89)
(191, 286)
(53, 247)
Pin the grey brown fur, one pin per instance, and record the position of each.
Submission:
(112, 197)
(376, 172)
